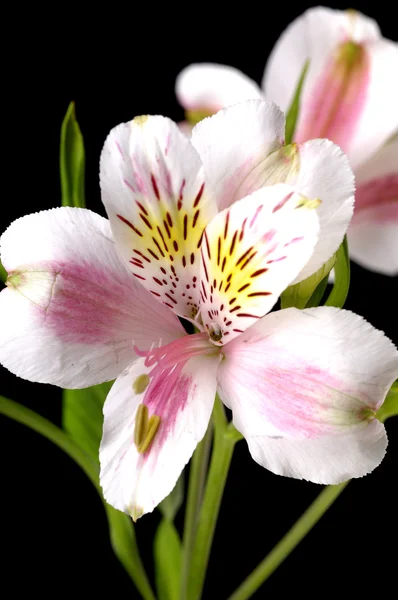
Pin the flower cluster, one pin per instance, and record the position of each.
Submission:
(205, 232)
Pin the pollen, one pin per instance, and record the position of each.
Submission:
(141, 383)
(145, 429)
(307, 203)
(215, 332)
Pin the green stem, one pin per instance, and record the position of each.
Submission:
(223, 448)
(198, 470)
(288, 543)
(118, 522)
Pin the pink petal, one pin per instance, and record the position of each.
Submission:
(373, 233)
(349, 93)
(72, 312)
(182, 396)
(302, 385)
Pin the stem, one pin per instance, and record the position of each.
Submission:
(288, 543)
(220, 461)
(200, 461)
(121, 532)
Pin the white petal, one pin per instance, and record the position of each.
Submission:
(325, 173)
(317, 35)
(250, 253)
(234, 142)
(324, 460)
(306, 382)
(373, 238)
(384, 162)
(72, 311)
(209, 87)
(373, 232)
(153, 189)
(135, 483)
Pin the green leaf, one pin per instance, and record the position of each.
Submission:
(338, 295)
(389, 407)
(3, 274)
(167, 555)
(307, 292)
(170, 506)
(82, 417)
(294, 109)
(71, 160)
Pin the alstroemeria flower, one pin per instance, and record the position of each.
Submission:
(350, 96)
(89, 300)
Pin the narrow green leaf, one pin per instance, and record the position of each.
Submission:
(31, 419)
(82, 417)
(167, 555)
(121, 529)
(3, 274)
(306, 293)
(170, 506)
(71, 160)
(389, 407)
(294, 109)
(338, 295)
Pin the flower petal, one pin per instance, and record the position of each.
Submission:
(306, 382)
(135, 482)
(234, 142)
(72, 311)
(373, 233)
(208, 87)
(325, 173)
(153, 190)
(349, 95)
(327, 460)
(249, 255)
(373, 238)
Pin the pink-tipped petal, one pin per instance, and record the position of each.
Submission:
(234, 143)
(304, 387)
(250, 253)
(154, 192)
(72, 312)
(181, 400)
(373, 232)
(325, 173)
(209, 87)
(349, 94)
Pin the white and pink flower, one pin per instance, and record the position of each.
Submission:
(193, 232)
(350, 96)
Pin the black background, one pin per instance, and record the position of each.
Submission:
(115, 65)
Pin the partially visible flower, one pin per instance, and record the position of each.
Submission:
(350, 96)
(90, 300)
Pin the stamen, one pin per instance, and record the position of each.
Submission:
(307, 203)
(153, 426)
(145, 429)
(141, 424)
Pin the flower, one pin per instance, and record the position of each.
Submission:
(193, 232)
(349, 96)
